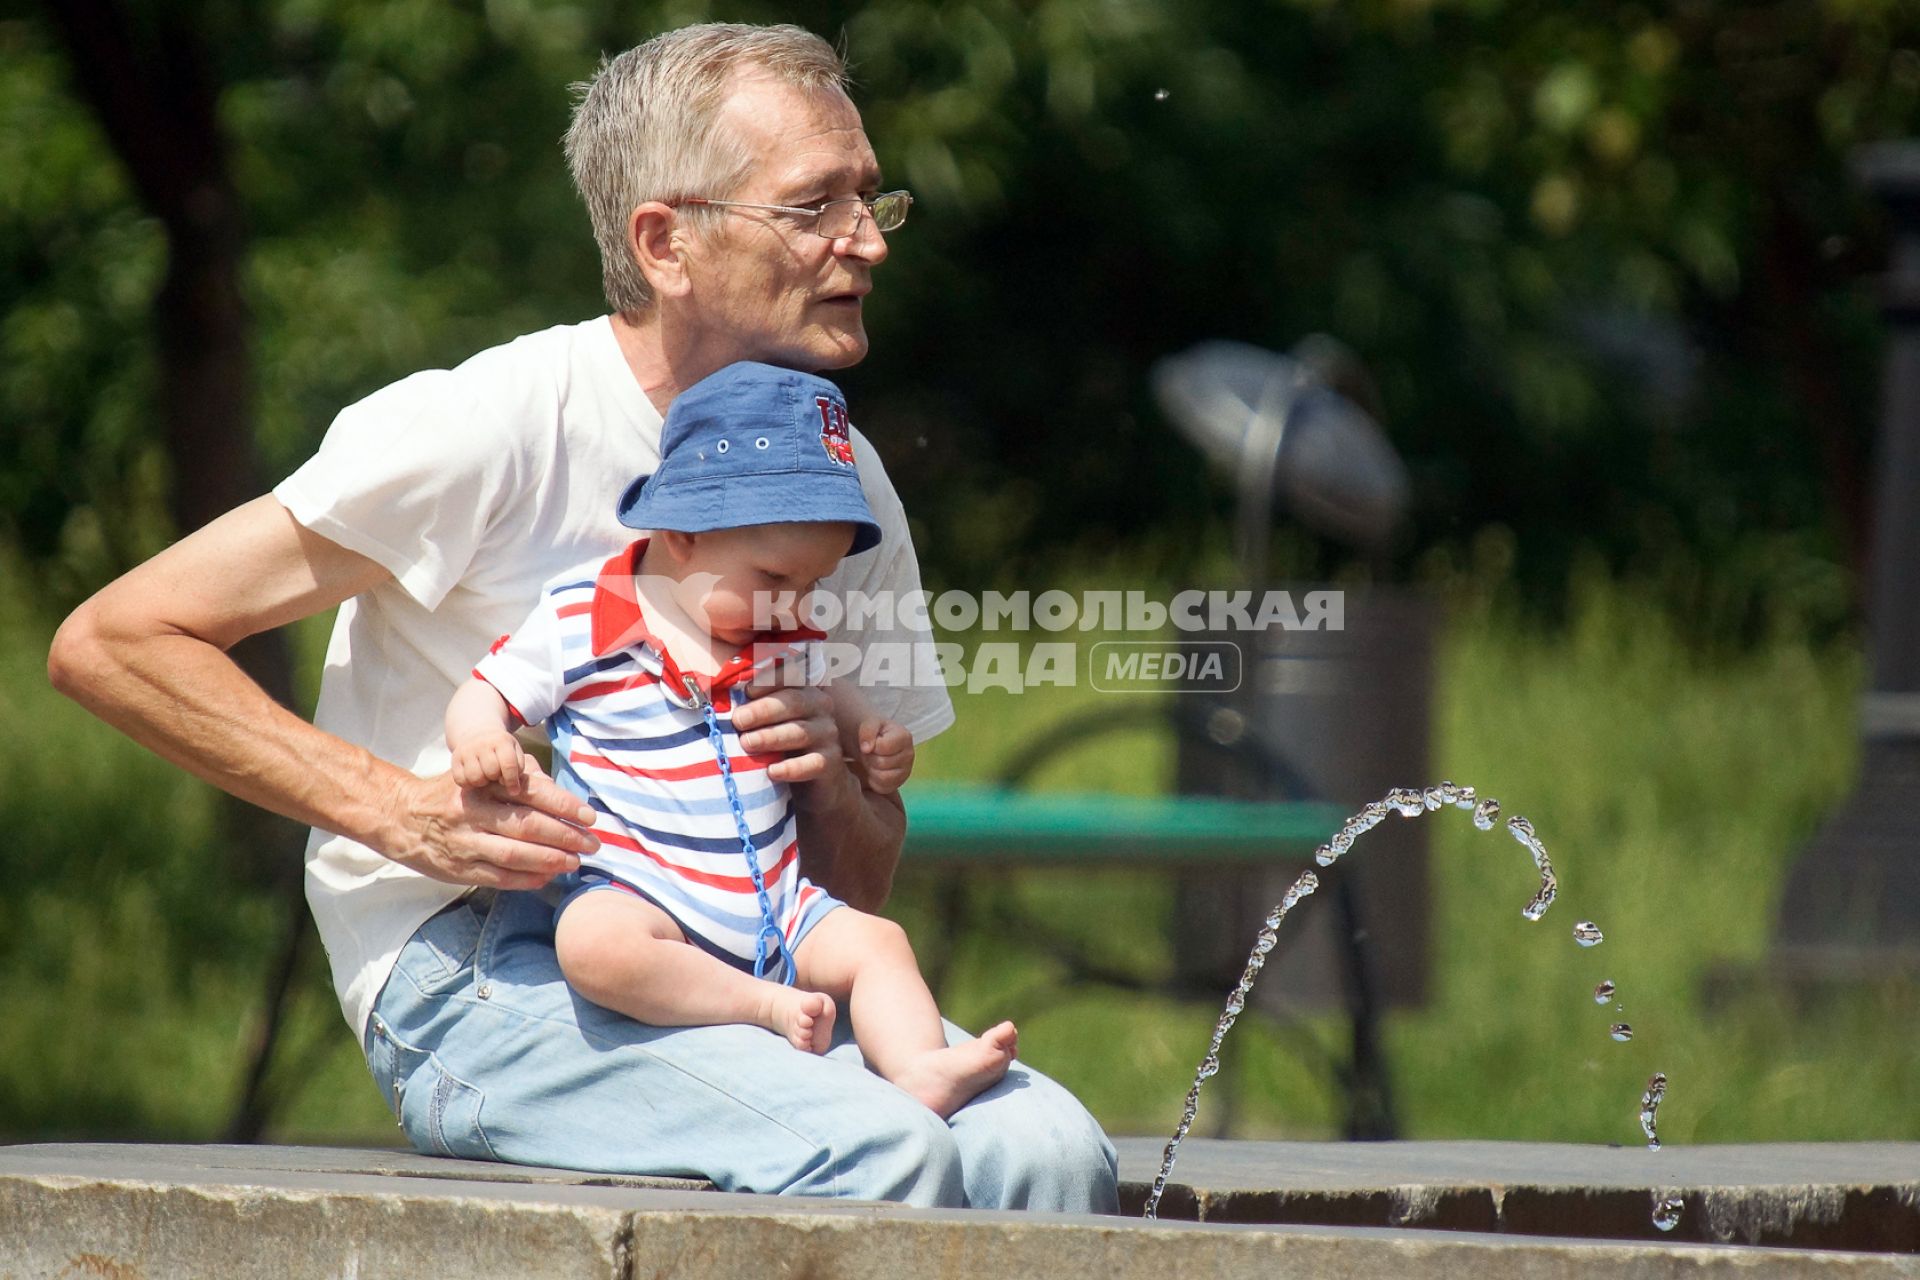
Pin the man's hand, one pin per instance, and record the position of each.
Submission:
(886, 754)
(794, 720)
(484, 835)
(849, 835)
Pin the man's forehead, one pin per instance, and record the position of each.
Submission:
(802, 137)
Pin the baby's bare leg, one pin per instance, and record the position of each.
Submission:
(868, 962)
(622, 952)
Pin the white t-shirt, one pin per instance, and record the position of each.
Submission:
(473, 486)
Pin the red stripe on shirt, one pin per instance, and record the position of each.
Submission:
(678, 773)
(807, 895)
(732, 884)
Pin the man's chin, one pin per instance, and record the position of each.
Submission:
(846, 347)
(817, 351)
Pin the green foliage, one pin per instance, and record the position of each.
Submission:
(1603, 260)
(78, 266)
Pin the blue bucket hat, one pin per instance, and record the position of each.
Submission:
(753, 444)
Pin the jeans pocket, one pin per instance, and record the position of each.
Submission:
(440, 1112)
(440, 955)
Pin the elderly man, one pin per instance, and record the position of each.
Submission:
(736, 202)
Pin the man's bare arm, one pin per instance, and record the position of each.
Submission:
(850, 837)
(147, 654)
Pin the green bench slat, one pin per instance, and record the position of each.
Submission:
(962, 823)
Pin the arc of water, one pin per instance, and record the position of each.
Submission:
(1236, 1001)
(1408, 802)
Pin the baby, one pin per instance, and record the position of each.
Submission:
(634, 667)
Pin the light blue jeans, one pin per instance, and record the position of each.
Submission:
(483, 1051)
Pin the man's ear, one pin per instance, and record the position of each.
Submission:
(657, 240)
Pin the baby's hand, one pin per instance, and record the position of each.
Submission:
(886, 753)
(489, 758)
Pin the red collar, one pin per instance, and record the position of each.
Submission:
(620, 623)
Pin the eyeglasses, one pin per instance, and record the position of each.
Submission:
(836, 218)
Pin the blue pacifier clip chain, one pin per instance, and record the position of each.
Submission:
(771, 945)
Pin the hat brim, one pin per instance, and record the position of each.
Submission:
(740, 502)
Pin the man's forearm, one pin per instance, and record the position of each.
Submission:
(187, 701)
(147, 654)
(850, 838)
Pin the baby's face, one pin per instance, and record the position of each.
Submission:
(734, 577)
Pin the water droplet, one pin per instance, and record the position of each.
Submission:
(1160, 95)
(1666, 1209)
(1263, 944)
(1432, 799)
(1486, 813)
(1325, 855)
(1588, 934)
(1621, 1032)
(1603, 992)
(1210, 1068)
(1237, 1003)
(1650, 1108)
(1341, 842)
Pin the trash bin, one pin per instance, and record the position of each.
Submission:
(1351, 711)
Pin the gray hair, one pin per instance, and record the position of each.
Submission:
(644, 128)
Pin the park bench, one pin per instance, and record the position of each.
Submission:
(968, 836)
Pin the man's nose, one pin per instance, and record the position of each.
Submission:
(867, 242)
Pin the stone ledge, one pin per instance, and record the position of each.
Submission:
(1852, 1196)
(157, 1212)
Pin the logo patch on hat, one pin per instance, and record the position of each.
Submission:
(833, 430)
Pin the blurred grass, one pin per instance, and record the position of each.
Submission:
(1672, 786)
(133, 967)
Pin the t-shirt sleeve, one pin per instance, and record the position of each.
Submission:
(900, 655)
(409, 477)
(525, 667)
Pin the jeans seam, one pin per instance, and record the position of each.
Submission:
(437, 1109)
(489, 939)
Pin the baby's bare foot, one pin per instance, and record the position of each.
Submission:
(805, 1018)
(947, 1079)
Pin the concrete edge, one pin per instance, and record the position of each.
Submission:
(368, 1226)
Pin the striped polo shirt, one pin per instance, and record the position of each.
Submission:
(628, 740)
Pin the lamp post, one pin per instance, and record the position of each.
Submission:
(1852, 904)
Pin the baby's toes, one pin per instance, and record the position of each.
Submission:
(822, 1024)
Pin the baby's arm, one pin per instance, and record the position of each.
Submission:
(480, 735)
(882, 750)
